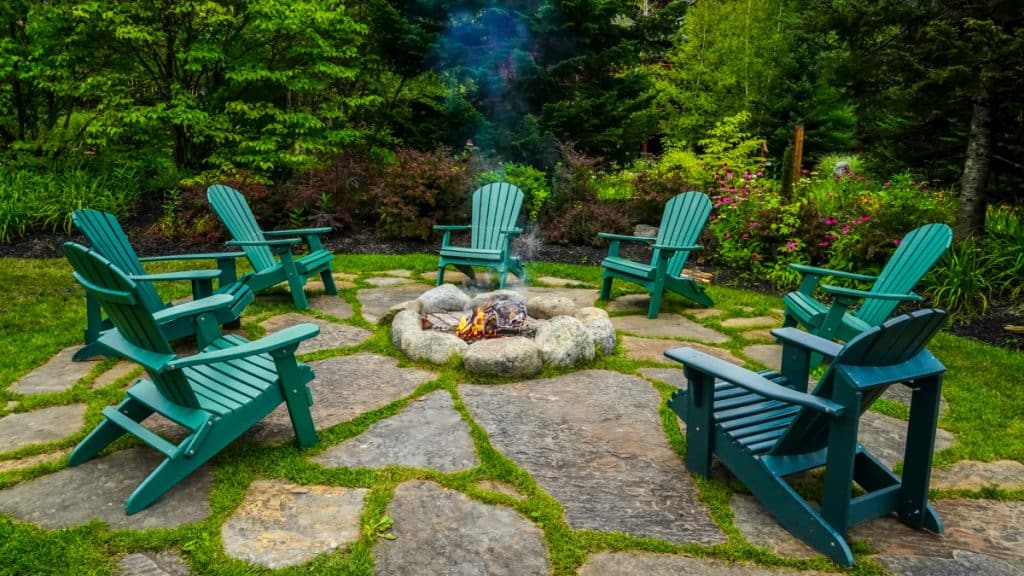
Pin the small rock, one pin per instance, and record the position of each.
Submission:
(431, 346)
(444, 298)
(564, 342)
(602, 333)
(515, 356)
(588, 312)
(406, 322)
(645, 231)
(545, 307)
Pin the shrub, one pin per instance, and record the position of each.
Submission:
(579, 214)
(531, 181)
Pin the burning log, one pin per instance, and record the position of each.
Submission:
(497, 317)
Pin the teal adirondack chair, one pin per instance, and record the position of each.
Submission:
(234, 212)
(495, 211)
(916, 254)
(764, 427)
(216, 394)
(681, 225)
(106, 236)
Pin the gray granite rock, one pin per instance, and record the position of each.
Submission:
(443, 298)
(751, 322)
(59, 373)
(760, 529)
(40, 426)
(645, 231)
(564, 342)
(481, 298)
(331, 305)
(770, 355)
(672, 376)
(589, 313)
(648, 564)
(602, 333)
(971, 475)
(593, 440)
(344, 388)
(668, 326)
(440, 531)
(283, 524)
(377, 301)
(165, 563)
(118, 371)
(98, 489)
(545, 307)
(434, 347)
(886, 437)
(30, 461)
(654, 349)
(331, 335)
(903, 394)
(429, 434)
(406, 324)
(962, 563)
(450, 275)
(383, 281)
(516, 356)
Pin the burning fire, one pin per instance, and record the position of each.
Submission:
(476, 328)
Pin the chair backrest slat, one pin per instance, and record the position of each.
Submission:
(916, 254)
(234, 212)
(495, 208)
(106, 236)
(681, 224)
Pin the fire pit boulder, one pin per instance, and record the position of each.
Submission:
(513, 356)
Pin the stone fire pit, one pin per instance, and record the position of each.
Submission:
(554, 331)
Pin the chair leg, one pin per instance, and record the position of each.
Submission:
(502, 278)
(296, 285)
(440, 276)
(90, 350)
(655, 306)
(329, 287)
(292, 379)
(106, 432)
(166, 476)
(606, 287)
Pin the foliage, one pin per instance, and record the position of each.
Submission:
(579, 212)
(961, 282)
(531, 181)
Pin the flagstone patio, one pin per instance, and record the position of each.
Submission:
(592, 440)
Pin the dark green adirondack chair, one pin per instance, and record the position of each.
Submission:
(106, 236)
(495, 211)
(216, 394)
(764, 426)
(268, 270)
(681, 224)
(916, 254)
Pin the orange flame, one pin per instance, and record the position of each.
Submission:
(474, 329)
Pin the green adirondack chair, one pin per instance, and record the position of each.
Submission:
(216, 394)
(916, 254)
(495, 211)
(681, 224)
(764, 427)
(106, 236)
(268, 270)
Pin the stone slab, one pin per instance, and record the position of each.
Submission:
(654, 349)
(903, 394)
(971, 475)
(315, 288)
(40, 426)
(331, 305)
(770, 355)
(593, 440)
(284, 524)
(344, 388)
(331, 335)
(382, 281)
(164, 563)
(118, 371)
(581, 297)
(672, 376)
(760, 529)
(963, 563)
(668, 326)
(429, 433)
(440, 531)
(702, 313)
(11, 405)
(98, 489)
(30, 461)
(345, 276)
(628, 303)
(377, 301)
(59, 373)
(400, 272)
(752, 322)
(450, 276)
(759, 334)
(886, 437)
(648, 564)
(561, 282)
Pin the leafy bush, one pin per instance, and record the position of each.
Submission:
(531, 181)
(961, 282)
(579, 214)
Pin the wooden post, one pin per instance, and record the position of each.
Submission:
(798, 152)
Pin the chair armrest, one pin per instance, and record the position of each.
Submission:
(668, 248)
(854, 293)
(282, 339)
(113, 340)
(805, 269)
(210, 256)
(746, 379)
(193, 308)
(806, 340)
(285, 242)
(511, 231)
(299, 232)
(608, 236)
(451, 228)
(172, 276)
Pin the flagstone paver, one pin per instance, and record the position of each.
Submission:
(654, 349)
(164, 563)
(383, 281)
(400, 272)
(11, 405)
(768, 354)
(30, 461)
(98, 489)
(668, 326)
(501, 488)
(58, 374)
(760, 529)
(752, 322)
(647, 564)
(673, 376)
(561, 282)
(331, 335)
(344, 388)
(315, 288)
(345, 276)
(886, 437)
(581, 297)
(629, 303)
(450, 276)
(963, 563)
(332, 305)
(902, 394)
(759, 334)
(377, 301)
(593, 440)
(284, 524)
(702, 313)
(118, 371)
(40, 426)
(971, 475)
(440, 531)
(429, 433)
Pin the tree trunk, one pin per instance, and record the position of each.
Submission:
(970, 216)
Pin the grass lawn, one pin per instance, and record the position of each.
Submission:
(43, 312)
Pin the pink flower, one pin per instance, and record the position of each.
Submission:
(830, 236)
(897, 241)
(845, 229)
(726, 235)
(791, 245)
(746, 234)
(885, 184)
(830, 221)
(822, 244)
(863, 219)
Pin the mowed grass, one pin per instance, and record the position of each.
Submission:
(43, 312)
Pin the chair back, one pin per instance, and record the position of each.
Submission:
(891, 352)
(106, 237)
(916, 254)
(681, 224)
(233, 210)
(119, 297)
(495, 208)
